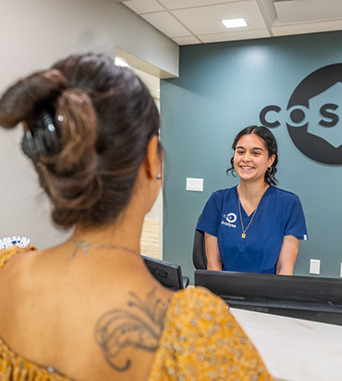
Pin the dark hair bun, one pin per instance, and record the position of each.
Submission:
(104, 118)
(22, 100)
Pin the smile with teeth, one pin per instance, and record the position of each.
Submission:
(245, 167)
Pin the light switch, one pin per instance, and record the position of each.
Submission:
(194, 185)
(315, 266)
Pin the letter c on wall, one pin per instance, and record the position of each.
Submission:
(263, 114)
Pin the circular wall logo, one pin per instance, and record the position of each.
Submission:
(231, 217)
(313, 114)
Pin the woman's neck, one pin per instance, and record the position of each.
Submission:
(251, 192)
(125, 231)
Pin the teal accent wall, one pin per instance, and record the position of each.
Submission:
(221, 89)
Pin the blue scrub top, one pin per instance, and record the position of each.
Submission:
(279, 213)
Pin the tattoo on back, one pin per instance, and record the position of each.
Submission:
(139, 326)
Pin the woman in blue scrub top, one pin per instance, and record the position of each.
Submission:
(255, 226)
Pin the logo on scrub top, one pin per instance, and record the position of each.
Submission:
(230, 219)
(313, 115)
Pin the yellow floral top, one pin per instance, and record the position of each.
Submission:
(201, 341)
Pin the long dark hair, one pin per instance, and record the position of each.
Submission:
(104, 118)
(271, 145)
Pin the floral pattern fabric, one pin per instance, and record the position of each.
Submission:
(201, 341)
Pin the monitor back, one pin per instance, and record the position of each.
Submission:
(317, 299)
(168, 274)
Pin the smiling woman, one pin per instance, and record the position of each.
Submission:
(255, 226)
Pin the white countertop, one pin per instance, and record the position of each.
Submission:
(294, 349)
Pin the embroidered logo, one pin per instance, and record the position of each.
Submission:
(230, 219)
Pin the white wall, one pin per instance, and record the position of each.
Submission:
(34, 34)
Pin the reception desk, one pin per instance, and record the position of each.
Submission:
(300, 297)
(294, 349)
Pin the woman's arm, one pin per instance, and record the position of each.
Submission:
(213, 253)
(288, 255)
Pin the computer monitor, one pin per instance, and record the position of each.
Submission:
(316, 299)
(168, 274)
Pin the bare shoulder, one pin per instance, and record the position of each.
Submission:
(110, 312)
(15, 266)
(14, 273)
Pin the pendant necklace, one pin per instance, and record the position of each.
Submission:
(243, 235)
(85, 247)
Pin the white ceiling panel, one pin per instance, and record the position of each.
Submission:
(143, 6)
(199, 21)
(308, 10)
(235, 36)
(287, 30)
(166, 24)
(187, 40)
(181, 4)
(207, 20)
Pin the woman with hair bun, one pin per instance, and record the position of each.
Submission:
(255, 226)
(89, 309)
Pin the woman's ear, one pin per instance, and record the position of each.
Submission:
(153, 158)
(271, 160)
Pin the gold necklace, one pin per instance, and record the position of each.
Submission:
(243, 235)
(85, 247)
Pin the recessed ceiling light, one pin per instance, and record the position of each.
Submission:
(234, 23)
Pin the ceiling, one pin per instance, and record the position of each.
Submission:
(199, 21)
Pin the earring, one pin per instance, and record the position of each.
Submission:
(159, 176)
(269, 169)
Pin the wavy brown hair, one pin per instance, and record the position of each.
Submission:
(104, 118)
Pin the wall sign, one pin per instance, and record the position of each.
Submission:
(313, 115)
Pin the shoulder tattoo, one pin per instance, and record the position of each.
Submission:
(139, 326)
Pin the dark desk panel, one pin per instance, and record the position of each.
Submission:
(316, 299)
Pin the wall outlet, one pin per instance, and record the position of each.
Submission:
(194, 185)
(315, 266)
